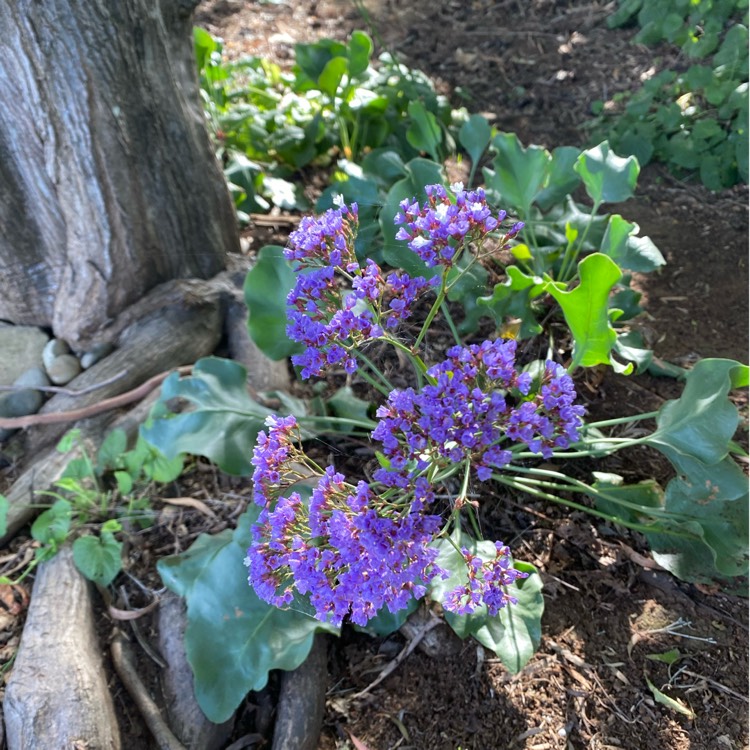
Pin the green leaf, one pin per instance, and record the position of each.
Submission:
(359, 50)
(52, 525)
(667, 657)
(345, 404)
(703, 420)
(514, 634)
(586, 310)
(519, 174)
(124, 482)
(562, 179)
(111, 450)
(331, 75)
(225, 420)
(233, 639)
(267, 285)
(512, 299)
(474, 136)
(98, 558)
(670, 703)
(313, 58)
(68, 441)
(424, 132)
(4, 507)
(608, 178)
(622, 244)
(629, 346)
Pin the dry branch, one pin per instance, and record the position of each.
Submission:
(57, 696)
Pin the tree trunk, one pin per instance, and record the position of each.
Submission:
(108, 182)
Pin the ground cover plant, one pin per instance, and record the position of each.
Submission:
(693, 117)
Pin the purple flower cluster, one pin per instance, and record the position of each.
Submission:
(343, 550)
(329, 319)
(487, 584)
(467, 411)
(446, 223)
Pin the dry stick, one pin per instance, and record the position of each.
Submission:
(392, 665)
(123, 660)
(15, 423)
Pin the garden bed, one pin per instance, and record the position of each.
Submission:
(612, 618)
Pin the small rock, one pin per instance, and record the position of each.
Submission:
(23, 402)
(63, 369)
(21, 348)
(53, 349)
(93, 355)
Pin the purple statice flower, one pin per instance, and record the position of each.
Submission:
(487, 583)
(272, 455)
(459, 415)
(438, 230)
(329, 319)
(327, 240)
(350, 554)
(476, 400)
(551, 419)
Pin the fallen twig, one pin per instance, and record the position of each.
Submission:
(393, 665)
(122, 399)
(123, 661)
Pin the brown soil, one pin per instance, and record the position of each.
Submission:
(534, 67)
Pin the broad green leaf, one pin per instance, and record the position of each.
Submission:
(98, 558)
(608, 178)
(622, 244)
(267, 285)
(124, 482)
(52, 525)
(224, 422)
(359, 51)
(703, 420)
(466, 284)
(474, 136)
(562, 179)
(630, 347)
(313, 58)
(68, 441)
(519, 173)
(709, 504)
(233, 639)
(514, 634)
(345, 404)
(424, 132)
(586, 310)
(111, 451)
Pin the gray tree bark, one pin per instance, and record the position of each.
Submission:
(108, 182)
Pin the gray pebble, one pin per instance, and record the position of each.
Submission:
(93, 355)
(63, 369)
(24, 402)
(53, 349)
(20, 349)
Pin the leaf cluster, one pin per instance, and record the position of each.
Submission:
(96, 496)
(269, 124)
(694, 117)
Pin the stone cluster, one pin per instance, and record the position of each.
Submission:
(29, 361)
